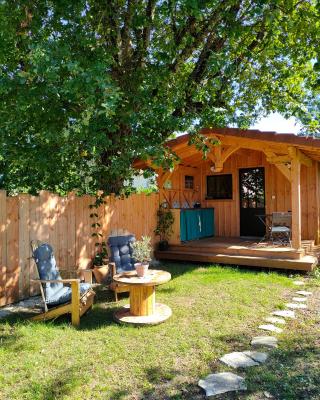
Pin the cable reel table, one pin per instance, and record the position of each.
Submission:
(143, 309)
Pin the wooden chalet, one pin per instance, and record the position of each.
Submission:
(247, 175)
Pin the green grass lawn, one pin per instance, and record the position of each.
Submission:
(215, 310)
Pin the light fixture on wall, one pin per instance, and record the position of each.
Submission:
(213, 168)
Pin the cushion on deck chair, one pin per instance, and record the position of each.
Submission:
(280, 229)
(121, 252)
(64, 295)
(55, 293)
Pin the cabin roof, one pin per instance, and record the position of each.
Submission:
(269, 136)
(244, 138)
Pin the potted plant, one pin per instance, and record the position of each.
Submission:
(142, 254)
(165, 220)
(101, 270)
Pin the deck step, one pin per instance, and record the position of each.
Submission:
(306, 263)
(238, 250)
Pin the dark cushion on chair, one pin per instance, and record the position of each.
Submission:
(121, 252)
(55, 293)
(47, 269)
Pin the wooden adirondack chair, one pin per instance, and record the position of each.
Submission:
(60, 296)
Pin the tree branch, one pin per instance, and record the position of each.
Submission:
(199, 35)
(126, 46)
(146, 32)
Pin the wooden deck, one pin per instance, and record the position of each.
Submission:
(240, 251)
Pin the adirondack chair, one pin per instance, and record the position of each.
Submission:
(60, 296)
(121, 260)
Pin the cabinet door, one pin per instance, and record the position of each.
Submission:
(207, 222)
(193, 224)
(183, 226)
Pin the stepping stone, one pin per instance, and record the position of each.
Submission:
(296, 306)
(238, 360)
(256, 356)
(304, 293)
(299, 299)
(298, 283)
(222, 382)
(270, 328)
(275, 320)
(268, 341)
(284, 314)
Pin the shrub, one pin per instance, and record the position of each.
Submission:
(142, 249)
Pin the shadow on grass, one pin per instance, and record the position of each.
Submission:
(177, 268)
(57, 387)
(119, 395)
(8, 335)
(291, 373)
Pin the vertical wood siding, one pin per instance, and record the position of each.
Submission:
(65, 223)
(277, 191)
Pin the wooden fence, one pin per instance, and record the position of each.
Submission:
(65, 223)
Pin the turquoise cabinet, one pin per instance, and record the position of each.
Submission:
(196, 223)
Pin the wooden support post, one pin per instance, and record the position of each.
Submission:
(75, 302)
(296, 202)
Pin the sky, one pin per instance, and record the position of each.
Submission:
(277, 123)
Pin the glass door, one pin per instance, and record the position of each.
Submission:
(252, 201)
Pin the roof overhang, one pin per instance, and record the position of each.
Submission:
(278, 144)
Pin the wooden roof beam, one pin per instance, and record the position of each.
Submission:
(219, 157)
(281, 162)
(164, 177)
(297, 154)
(285, 170)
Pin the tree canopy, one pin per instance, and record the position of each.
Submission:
(87, 86)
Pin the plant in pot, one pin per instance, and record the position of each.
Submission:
(142, 254)
(165, 220)
(101, 270)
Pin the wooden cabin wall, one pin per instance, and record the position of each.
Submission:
(277, 191)
(178, 194)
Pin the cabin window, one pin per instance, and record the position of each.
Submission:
(188, 182)
(219, 187)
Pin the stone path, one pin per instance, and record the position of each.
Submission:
(224, 382)
(284, 314)
(270, 328)
(304, 293)
(300, 299)
(238, 360)
(296, 306)
(298, 283)
(275, 320)
(264, 341)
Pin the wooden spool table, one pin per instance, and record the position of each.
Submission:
(143, 309)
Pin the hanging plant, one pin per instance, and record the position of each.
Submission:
(100, 260)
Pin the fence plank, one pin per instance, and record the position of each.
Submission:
(13, 270)
(34, 234)
(24, 252)
(3, 246)
(71, 232)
